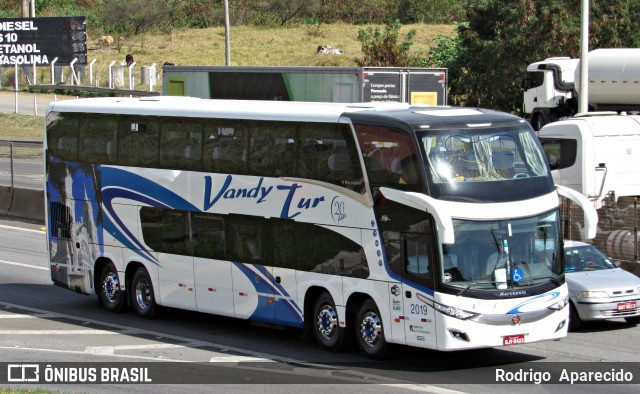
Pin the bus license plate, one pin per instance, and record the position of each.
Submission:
(513, 340)
(627, 306)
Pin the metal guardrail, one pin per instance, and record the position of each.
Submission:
(19, 149)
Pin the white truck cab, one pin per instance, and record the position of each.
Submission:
(596, 154)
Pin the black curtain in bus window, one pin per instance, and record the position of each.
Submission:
(325, 250)
(138, 141)
(165, 230)
(279, 248)
(390, 158)
(225, 147)
(62, 135)
(245, 239)
(328, 153)
(208, 232)
(180, 144)
(98, 139)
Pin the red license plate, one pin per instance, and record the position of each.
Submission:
(513, 340)
(627, 306)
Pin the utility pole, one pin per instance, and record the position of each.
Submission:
(25, 8)
(583, 99)
(227, 39)
(32, 9)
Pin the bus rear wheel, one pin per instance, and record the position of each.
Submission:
(111, 295)
(142, 296)
(326, 325)
(369, 331)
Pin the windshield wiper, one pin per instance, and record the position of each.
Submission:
(554, 279)
(470, 285)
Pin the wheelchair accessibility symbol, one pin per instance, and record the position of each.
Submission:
(517, 275)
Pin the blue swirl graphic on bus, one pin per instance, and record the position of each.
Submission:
(118, 183)
(538, 299)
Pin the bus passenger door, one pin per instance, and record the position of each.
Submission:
(176, 281)
(417, 289)
(214, 289)
(175, 274)
(214, 293)
(253, 296)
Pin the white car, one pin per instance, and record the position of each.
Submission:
(598, 289)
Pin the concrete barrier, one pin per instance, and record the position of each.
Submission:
(5, 200)
(22, 204)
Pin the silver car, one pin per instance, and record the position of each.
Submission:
(598, 289)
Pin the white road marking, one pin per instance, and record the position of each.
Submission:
(24, 265)
(28, 230)
(239, 359)
(107, 350)
(58, 332)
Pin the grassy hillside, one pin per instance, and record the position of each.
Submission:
(253, 46)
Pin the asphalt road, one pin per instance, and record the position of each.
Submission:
(42, 323)
(27, 174)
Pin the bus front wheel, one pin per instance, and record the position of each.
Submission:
(326, 325)
(369, 331)
(111, 295)
(142, 297)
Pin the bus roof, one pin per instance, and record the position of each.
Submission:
(181, 106)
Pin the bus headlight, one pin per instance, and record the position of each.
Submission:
(560, 304)
(455, 312)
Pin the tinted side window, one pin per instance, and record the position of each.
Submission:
(390, 158)
(253, 240)
(225, 147)
(62, 135)
(180, 144)
(98, 139)
(561, 153)
(138, 141)
(164, 230)
(328, 153)
(325, 251)
(537, 78)
(209, 238)
(245, 239)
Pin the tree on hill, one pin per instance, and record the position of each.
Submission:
(381, 49)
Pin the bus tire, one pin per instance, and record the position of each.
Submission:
(111, 295)
(142, 295)
(326, 325)
(369, 331)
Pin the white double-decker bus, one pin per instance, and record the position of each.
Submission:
(433, 227)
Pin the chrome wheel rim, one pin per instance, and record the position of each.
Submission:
(327, 322)
(371, 329)
(111, 287)
(142, 294)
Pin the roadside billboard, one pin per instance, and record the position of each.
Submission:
(28, 41)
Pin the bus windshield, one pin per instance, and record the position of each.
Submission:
(503, 254)
(467, 163)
